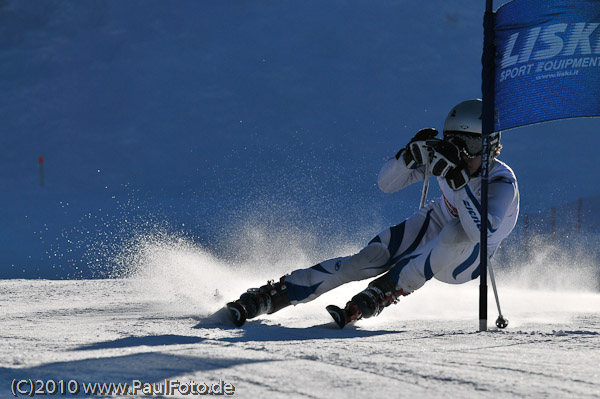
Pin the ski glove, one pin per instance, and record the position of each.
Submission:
(416, 151)
(457, 178)
(447, 163)
(446, 156)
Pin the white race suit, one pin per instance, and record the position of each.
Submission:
(441, 240)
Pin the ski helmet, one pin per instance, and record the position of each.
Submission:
(463, 128)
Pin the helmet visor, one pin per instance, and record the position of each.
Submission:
(468, 143)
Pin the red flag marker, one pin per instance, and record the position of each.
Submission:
(41, 162)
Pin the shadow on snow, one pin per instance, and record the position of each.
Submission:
(146, 367)
(259, 331)
(152, 340)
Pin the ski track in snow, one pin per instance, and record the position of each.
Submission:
(120, 330)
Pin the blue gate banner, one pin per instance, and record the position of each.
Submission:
(547, 63)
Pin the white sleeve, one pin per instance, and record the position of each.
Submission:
(394, 175)
(501, 197)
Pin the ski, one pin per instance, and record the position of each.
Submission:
(237, 313)
(338, 315)
(231, 315)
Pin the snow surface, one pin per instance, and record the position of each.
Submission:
(153, 325)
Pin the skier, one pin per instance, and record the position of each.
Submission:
(441, 240)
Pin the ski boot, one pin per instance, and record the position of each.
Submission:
(379, 294)
(257, 301)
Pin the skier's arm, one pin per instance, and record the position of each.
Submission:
(407, 166)
(394, 175)
(502, 192)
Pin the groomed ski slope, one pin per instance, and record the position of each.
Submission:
(150, 327)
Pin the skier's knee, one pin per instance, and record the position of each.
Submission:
(410, 281)
(367, 261)
(373, 254)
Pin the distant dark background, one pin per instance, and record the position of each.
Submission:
(200, 118)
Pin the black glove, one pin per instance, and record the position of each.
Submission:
(446, 156)
(457, 178)
(417, 150)
(448, 163)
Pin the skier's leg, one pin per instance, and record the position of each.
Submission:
(304, 285)
(451, 257)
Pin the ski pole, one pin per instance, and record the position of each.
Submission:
(425, 185)
(501, 322)
(427, 176)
